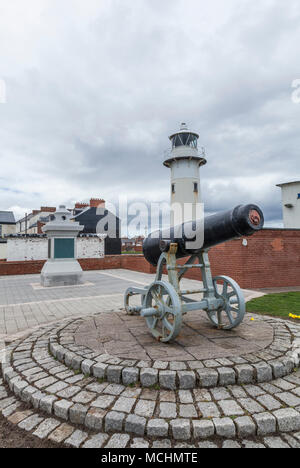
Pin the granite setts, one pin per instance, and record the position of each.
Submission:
(64, 388)
(275, 361)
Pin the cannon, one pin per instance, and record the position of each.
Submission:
(164, 303)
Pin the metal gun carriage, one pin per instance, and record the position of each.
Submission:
(163, 303)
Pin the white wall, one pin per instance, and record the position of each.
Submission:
(90, 247)
(291, 216)
(8, 229)
(22, 249)
(184, 173)
(3, 251)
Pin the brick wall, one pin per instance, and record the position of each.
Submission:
(21, 268)
(111, 262)
(271, 259)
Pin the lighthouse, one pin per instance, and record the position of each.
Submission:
(184, 161)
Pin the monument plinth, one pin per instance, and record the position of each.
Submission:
(62, 267)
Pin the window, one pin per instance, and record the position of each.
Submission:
(195, 187)
(0, 230)
(173, 188)
(298, 196)
(185, 139)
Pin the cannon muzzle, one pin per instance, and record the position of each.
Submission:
(218, 228)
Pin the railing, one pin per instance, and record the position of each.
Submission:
(168, 154)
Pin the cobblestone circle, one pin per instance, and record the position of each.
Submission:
(276, 360)
(73, 395)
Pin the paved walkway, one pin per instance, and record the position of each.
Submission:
(25, 305)
(67, 392)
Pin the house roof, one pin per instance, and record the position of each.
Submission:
(289, 183)
(7, 217)
(28, 217)
(81, 212)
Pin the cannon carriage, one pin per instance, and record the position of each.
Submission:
(164, 303)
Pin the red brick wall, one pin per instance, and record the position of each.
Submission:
(271, 259)
(137, 263)
(127, 262)
(21, 268)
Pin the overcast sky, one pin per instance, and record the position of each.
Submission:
(94, 89)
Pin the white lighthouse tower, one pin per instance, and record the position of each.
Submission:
(184, 162)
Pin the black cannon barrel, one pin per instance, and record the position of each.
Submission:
(218, 228)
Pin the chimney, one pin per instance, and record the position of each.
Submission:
(96, 202)
(81, 206)
(48, 209)
(39, 227)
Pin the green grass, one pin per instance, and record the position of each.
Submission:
(277, 305)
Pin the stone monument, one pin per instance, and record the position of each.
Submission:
(62, 267)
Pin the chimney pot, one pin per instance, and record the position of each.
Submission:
(95, 202)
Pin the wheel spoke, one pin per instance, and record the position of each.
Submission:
(154, 295)
(225, 288)
(154, 322)
(167, 307)
(167, 324)
(231, 294)
(234, 301)
(229, 315)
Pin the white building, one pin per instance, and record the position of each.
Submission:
(291, 204)
(33, 222)
(7, 227)
(7, 223)
(184, 161)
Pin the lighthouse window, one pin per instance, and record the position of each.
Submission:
(185, 139)
(193, 141)
(177, 141)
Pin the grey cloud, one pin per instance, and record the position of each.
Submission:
(94, 91)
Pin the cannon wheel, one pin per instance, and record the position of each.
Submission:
(165, 325)
(232, 312)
